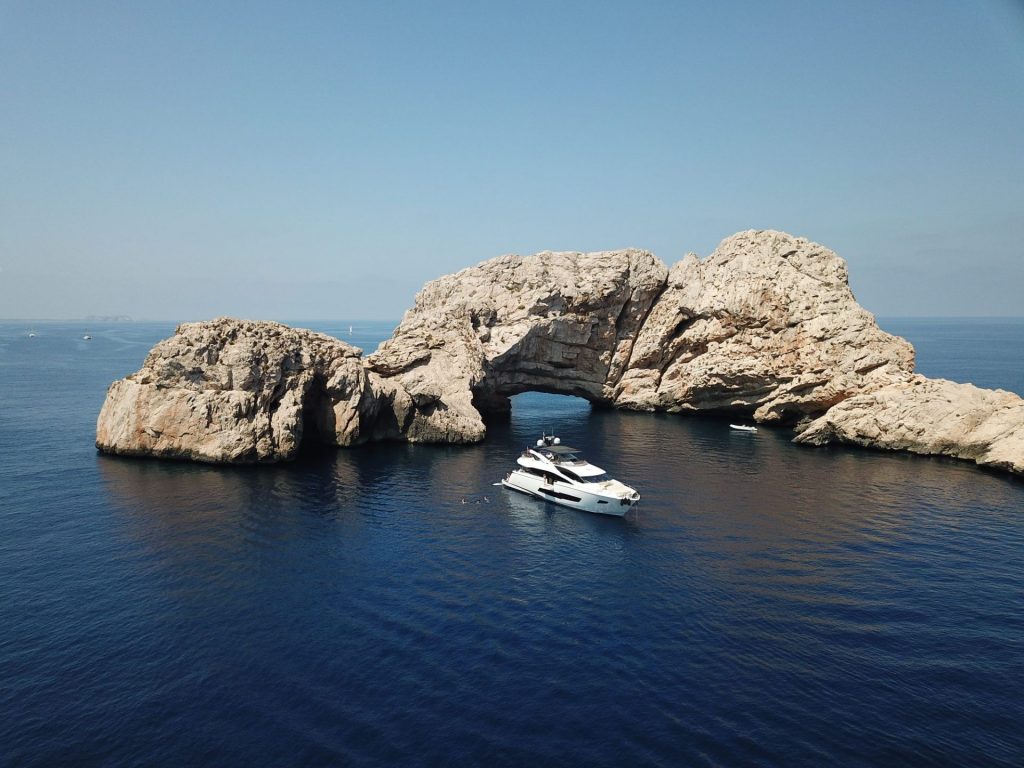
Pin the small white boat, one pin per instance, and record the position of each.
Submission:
(31, 334)
(87, 337)
(555, 472)
(743, 428)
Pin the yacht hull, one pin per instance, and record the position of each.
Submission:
(568, 495)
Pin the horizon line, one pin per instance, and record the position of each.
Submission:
(290, 320)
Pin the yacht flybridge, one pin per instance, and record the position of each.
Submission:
(552, 471)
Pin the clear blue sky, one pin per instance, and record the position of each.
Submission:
(176, 160)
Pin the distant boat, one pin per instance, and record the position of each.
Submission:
(743, 428)
(87, 337)
(350, 330)
(31, 334)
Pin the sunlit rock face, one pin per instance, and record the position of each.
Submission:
(930, 416)
(552, 322)
(766, 327)
(233, 391)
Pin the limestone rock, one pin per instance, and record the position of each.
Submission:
(237, 391)
(552, 322)
(766, 325)
(929, 416)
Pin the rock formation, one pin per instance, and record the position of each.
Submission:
(929, 416)
(553, 322)
(234, 391)
(765, 327)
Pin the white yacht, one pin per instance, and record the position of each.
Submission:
(555, 472)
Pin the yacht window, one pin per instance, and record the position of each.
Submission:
(570, 475)
(550, 476)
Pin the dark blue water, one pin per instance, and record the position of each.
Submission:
(765, 605)
(988, 352)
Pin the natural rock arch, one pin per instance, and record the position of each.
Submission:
(554, 322)
(766, 326)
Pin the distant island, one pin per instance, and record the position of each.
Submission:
(108, 319)
(766, 328)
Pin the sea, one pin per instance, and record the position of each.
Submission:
(765, 604)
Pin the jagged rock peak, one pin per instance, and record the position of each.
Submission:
(771, 246)
(767, 326)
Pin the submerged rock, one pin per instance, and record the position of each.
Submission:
(765, 327)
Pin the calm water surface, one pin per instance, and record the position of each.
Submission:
(765, 605)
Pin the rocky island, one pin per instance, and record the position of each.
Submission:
(765, 327)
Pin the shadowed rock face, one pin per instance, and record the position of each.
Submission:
(765, 327)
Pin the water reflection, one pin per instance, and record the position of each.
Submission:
(768, 604)
(694, 474)
(394, 574)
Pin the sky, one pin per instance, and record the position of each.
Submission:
(323, 160)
